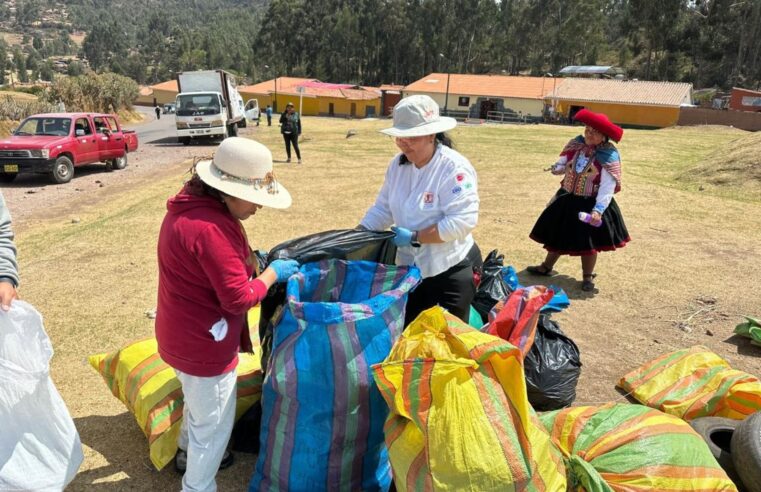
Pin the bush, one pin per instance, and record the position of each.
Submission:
(93, 92)
(17, 109)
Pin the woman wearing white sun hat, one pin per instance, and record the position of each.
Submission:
(430, 193)
(205, 290)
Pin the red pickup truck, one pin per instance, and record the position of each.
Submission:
(56, 143)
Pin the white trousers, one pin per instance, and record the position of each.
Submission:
(207, 423)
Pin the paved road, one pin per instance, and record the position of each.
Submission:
(153, 131)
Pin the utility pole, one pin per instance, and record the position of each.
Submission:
(446, 97)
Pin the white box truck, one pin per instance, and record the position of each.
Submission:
(208, 106)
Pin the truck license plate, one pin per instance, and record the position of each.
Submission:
(10, 168)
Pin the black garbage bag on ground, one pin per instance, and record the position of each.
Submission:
(552, 367)
(344, 244)
(245, 436)
(492, 287)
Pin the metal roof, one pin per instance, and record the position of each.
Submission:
(636, 92)
(591, 70)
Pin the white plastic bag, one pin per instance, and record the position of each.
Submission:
(39, 445)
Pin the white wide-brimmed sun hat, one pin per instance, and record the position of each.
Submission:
(418, 115)
(243, 168)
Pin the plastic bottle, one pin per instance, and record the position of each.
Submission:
(585, 217)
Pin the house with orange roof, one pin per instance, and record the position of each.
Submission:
(632, 103)
(483, 96)
(276, 92)
(165, 92)
(161, 93)
(315, 98)
(144, 96)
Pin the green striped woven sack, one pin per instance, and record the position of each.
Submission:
(627, 448)
(149, 388)
(692, 383)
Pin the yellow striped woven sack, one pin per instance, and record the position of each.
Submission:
(149, 388)
(460, 418)
(694, 383)
(629, 448)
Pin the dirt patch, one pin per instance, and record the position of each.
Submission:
(78, 37)
(12, 39)
(130, 116)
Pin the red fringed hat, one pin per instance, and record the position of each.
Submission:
(601, 123)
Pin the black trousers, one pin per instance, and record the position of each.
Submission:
(292, 138)
(453, 289)
(269, 120)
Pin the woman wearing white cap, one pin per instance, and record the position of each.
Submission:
(430, 193)
(205, 290)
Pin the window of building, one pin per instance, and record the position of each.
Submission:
(463, 101)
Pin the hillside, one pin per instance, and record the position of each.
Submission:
(373, 42)
(147, 40)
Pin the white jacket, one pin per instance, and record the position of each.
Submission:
(444, 192)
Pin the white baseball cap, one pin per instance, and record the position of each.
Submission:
(418, 115)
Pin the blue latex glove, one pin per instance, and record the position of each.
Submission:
(403, 236)
(284, 269)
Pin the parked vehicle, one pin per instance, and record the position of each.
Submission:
(56, 143)
(208, 106)
(168, 109)
(252, 110)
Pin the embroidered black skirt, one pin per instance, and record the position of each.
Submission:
(559, 229)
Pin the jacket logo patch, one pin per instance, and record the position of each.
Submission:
(456, 190)
(460, 177)
(427, 198)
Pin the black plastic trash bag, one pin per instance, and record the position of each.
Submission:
(492, 288)
(552, 367)
(245, 436)
(344, 244)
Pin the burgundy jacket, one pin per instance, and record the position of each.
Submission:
(204, 272)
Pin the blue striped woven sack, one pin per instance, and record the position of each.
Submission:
(322, 415)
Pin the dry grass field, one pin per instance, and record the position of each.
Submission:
(20, 96)
(694, 261)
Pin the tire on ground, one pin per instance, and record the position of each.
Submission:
(63, 170)
(717, 432)
(120, 162)
(746, 452)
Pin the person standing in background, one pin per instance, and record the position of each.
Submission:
(269, 115)
(290, 127)
(8, 265)
(591, 169)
